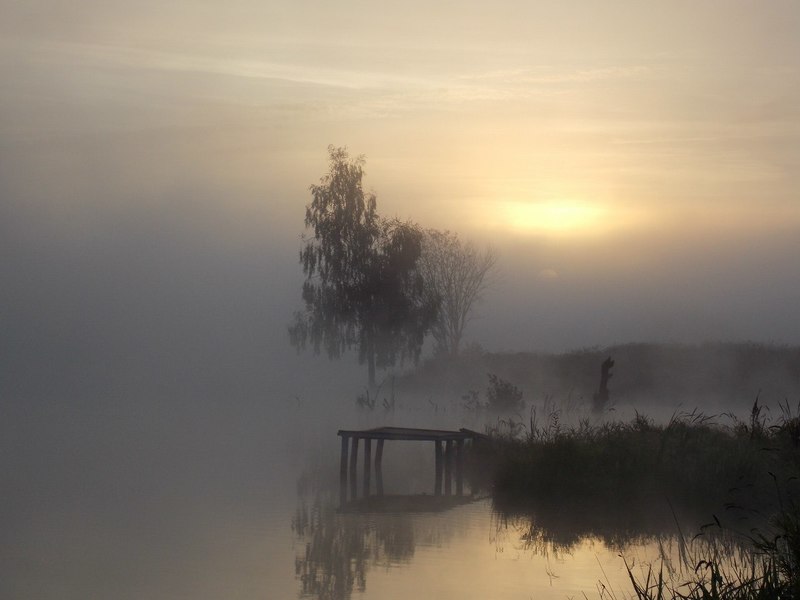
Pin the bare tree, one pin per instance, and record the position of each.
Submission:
(456, 275)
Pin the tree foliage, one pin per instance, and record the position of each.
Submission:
(457, 274)
(363, 288)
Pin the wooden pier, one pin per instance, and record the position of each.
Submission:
(448, 452)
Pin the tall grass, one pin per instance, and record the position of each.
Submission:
(731, 566)
(693, 461)
(605, 477)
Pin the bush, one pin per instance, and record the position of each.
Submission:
(503, 396)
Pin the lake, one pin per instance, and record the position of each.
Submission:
(131, 500)
(465, 552)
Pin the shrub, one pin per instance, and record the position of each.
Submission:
(502, 395)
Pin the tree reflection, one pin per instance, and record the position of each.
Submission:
(340, 548)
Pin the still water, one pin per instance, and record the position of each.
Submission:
(165, 500)
(465, 552)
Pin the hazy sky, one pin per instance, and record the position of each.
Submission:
(637, 165)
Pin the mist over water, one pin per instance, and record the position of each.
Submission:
(155, 422)
(635, 168)
(166, 497)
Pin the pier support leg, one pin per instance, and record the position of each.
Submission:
(379, 468)
(460, 467)
(367, 465)
(343, 472)
(354, 469)
(438, 485)
(448, 467)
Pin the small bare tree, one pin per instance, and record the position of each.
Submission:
(456, 275)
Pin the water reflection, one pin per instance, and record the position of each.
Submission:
(649, 539)
(620, 523)
(406, 544)
(563, 526)
(335, 558)
(341, 546)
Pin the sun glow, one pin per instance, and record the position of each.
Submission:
(556, 217)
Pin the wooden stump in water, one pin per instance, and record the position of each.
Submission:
(601, 397)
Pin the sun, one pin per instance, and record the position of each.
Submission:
(562, 217)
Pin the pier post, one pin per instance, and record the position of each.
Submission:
(367, 465)
(354, 469)
(379, 468)
(460, 467)
(343, 472)
(438, 485)
(448, 467)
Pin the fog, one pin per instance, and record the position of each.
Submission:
(155, 164)
(154, 168)
(128, 269)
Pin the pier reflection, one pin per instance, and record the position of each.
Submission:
(341, 545)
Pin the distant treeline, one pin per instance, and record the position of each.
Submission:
(725, 374)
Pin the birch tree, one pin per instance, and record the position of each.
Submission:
(363, 287)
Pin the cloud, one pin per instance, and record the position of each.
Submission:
(552, 74)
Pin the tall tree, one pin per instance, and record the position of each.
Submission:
(363, 288)
(456, 274)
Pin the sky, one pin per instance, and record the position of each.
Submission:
(635, 165)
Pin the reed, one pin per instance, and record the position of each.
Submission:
(743, 472)
(696, 461)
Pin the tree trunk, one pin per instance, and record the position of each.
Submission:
(455, 343)
(371, 366)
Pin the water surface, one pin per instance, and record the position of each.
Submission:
(163, 499)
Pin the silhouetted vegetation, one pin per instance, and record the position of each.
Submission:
(611, 480)
(761, 564)
(725, 375)
(363, 286)
(695, 461)
(456, 275)
(502, 395)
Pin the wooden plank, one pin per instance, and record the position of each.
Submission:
(410, 434)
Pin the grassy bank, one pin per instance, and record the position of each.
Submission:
(606, 480)
(693, 460)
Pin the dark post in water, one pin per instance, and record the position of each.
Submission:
(601, 397)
